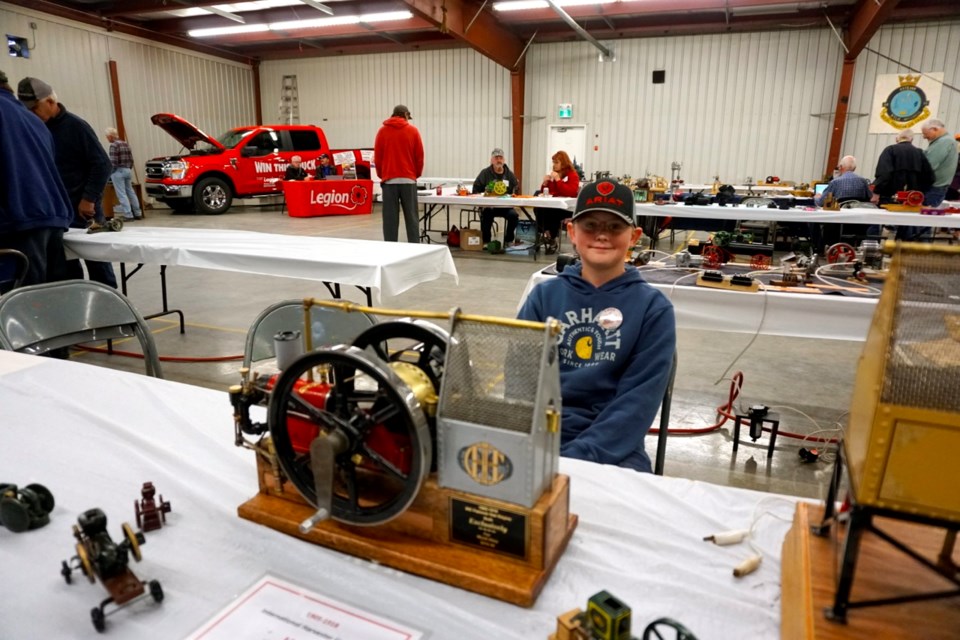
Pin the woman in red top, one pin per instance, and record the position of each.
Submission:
(564, 182)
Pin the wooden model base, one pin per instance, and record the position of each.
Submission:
(809, 567)
(419, 540)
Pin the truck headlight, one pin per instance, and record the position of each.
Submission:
(176, 170)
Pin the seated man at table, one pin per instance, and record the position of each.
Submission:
(848, 185)
(294, 170)
(498, 171)
(325, 168)
(619, 334)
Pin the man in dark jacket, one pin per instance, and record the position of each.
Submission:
(902, 167)
(398, 152)
(34, 208)
(83, 165)
(498, 171)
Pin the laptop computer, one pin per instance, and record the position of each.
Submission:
(819, 188)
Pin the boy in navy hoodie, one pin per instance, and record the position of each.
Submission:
(619, 334)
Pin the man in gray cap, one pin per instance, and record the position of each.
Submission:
(398, 152)
(498, 171)
(34, 208)
(83, 165)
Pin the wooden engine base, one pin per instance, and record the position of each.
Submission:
(490, 547)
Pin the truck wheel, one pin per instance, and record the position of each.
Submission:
(212, 196)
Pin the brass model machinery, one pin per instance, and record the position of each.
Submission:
(432, 451)
(903, 433)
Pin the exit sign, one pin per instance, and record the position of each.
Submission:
(565, 111)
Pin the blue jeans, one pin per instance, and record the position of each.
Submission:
(123, 186)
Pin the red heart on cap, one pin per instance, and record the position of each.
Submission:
(605, 188)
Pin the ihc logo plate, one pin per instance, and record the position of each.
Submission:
(485, 464)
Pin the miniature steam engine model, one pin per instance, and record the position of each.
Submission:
(151, 513)
(354, 434)
(608, 618)
(98, 556)
(26, 508)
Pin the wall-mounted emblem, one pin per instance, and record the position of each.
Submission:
(906, 105)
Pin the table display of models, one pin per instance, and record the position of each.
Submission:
(432, 452)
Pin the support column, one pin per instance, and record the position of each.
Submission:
(840, 117)
(517, 82)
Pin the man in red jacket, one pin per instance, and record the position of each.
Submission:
(398, 153)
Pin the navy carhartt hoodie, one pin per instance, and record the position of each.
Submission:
(616, 352)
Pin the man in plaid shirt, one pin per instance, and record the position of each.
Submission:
(848, 185)
(122, 176)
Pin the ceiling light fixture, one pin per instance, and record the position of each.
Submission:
(227, 31)
(530, 5)
(293, 25)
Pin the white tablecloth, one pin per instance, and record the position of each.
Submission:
(94, 435)
(389, 268)
(844, 216)
(478, 200)
(772, 313)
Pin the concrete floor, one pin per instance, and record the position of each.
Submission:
(814, 377)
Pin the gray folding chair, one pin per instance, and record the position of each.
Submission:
(329, 326)
(665, 419)
(13, 268)
(43, 317)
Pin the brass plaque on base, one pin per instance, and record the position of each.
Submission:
(423, 541)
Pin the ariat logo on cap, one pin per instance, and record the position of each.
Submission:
(605, 188)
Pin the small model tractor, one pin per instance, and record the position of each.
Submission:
(98, 556)
(111, 224)
(608, 618)
(26, 508)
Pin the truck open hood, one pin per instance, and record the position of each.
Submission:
(184, 132)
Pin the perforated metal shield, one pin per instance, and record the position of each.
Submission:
(923, 360)
(491, 376)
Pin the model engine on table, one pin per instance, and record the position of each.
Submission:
(413, 434)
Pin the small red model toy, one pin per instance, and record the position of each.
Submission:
(151, 514)
(98, 556)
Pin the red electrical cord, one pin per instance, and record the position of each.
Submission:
(726, 412)
(132, 354)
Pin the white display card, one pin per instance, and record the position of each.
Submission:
(274, 609)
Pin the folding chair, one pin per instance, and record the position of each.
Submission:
(13, 268)
(44, 317)
(329, 327)
(665, 419)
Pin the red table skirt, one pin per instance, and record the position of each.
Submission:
(310, 198)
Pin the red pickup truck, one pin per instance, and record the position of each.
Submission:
(245, 162)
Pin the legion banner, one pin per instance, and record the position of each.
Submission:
(904, 101)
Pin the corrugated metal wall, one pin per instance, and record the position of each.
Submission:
(736, 105)
(929, 47)
(457, 97)
(214, 94)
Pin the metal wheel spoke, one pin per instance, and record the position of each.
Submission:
(325, 418)
(384, 463)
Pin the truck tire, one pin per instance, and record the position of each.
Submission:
(212, 196)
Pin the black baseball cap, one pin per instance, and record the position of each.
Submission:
(401, 111)
(606, 195)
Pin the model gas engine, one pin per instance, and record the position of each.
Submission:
(462, 426)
